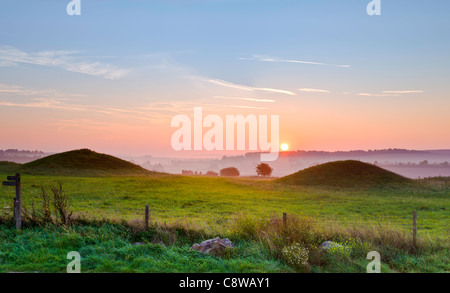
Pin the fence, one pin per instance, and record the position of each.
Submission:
(412, 224)
(409, 224)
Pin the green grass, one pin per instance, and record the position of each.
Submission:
(112, 248)
(212, 205)
(345, 174)
(9, 167)
(120, 247)
(214, 202)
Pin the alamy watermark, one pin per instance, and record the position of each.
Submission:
(375, 265)
(222, 135)
(374, 8)
(75, 265)
(74, 7)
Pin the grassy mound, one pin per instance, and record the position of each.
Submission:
(345, 174)
(9, 167)
(82, 162)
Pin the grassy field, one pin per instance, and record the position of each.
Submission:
(213, 202)
(212, 206)
(359, 206)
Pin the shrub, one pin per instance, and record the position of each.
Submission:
(212, 173)
(58, 200)
(46, 212)
(295, 255)
(231, 171)
(274, 234)
(61, 204)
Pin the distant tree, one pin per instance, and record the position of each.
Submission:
(264, 169)
(424, 163)
(187, 172)
(231, 171)
(212, 173)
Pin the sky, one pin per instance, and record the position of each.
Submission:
(113, 78)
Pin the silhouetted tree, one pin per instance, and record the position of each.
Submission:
(424, 163)
(231, 171)
(212, 173)
(264, 169)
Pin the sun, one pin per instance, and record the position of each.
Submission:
(284, 147)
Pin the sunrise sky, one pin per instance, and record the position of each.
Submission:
(113, 78)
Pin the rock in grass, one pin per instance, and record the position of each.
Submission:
(213, 246)
(329, 244)
(333, 247)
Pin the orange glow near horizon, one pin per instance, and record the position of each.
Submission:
(327, 124)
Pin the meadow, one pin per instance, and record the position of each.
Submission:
(189, 209)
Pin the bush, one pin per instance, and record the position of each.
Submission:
(264, 169)
(273, 234)
(296, 255)
(60, 203)
(231, 172)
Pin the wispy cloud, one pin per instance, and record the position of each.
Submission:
(45, 103)
(377, 95)
(18, 90)
(68, 60)
(53, 99)
(403, 92)
(85, 124)
(390, 93)
(249, 107)
(248, 88)
(308, 90)
(245, 99)
(265, 58)
(133, 113)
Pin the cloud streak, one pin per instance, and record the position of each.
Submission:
(264, 58)
(245, 99)
(65, 59)
(248, 107)
(17, 90)
(309, 90)
(248, 88)
(377, 95)
(390, 93)
(403, 92)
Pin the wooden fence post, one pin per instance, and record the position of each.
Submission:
(414, 228)
(285, 219)
(147, 211)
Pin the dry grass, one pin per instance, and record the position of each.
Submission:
(274, 234)
(304, 230)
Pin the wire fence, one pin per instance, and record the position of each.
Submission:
(424, 225)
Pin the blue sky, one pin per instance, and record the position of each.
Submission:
(123, 58)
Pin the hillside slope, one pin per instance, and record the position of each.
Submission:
(353, 174)
(82, 162)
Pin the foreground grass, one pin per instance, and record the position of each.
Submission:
(121, 247)
(213, 203)
(116, 248)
